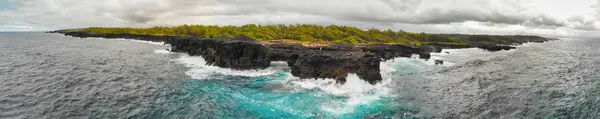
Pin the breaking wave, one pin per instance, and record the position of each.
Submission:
(355, 98)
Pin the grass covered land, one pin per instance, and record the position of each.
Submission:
(306, 34)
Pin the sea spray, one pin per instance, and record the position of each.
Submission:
(148, 42)
(162, 51)
(134, 40)
(199, 69)
(274, 91)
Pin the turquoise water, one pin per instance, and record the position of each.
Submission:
(274, 93)
(52, 76)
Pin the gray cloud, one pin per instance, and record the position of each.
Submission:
(597, 6)
(391, 11)
(437, 16)
(579, 23)
(401, 14)
(421, 12)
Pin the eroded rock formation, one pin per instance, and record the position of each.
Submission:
(235, 54)
(496, 47)
(334, 61)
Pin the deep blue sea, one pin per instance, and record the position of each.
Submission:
(53, 76)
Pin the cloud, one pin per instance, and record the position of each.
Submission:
(580, 23)
(597, 6)
(420, 11)
(447, 16)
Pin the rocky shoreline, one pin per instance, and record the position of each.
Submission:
(334, 61)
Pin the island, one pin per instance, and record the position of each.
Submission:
(311, 51)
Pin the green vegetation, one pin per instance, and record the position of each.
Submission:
(314, 33)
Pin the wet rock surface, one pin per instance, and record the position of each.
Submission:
(337, 64)
(496, 47)
(235, 54)
(439, 62)
(333, 61)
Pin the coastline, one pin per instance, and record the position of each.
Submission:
(330, 61)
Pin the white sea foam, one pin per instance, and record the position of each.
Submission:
(149, 42)
(357, 91)
(415, 57)
(199, 69)
(524, 44)
(163, 51)
(467, 54)
(140, 41)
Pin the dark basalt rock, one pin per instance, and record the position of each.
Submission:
(387, 52)
(430, 49)
(334, 61)
(496, 47)
(426, 49)
(328, 62)
(439, 62)
(226, 53)
(124, 36)
(337, 65)
(285, 52)
(424, 56)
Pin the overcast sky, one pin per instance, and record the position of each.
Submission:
(553, 18)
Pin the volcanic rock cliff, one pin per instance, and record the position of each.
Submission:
(235, 54)
(333, 61)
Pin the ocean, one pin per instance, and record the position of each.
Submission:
(53, 76)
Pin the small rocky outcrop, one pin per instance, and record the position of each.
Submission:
(335, 61)
(337, 65)
(439, 62)
(425, 56)
(495, 47)
(387, 52)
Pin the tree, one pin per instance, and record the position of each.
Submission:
(308, 32)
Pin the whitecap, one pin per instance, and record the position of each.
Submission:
(134, 40)
(149, 42)
(463, 55)
(199, 69)
(357, 91)
(162, 51)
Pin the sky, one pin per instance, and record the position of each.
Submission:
(550, 18)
